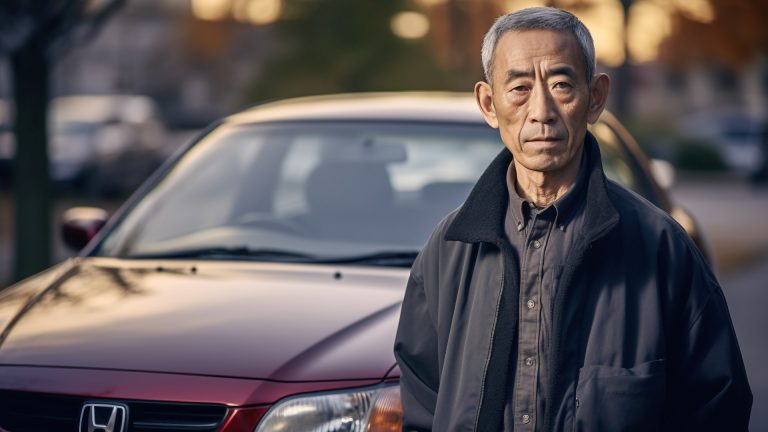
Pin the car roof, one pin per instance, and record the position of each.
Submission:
(401, 106)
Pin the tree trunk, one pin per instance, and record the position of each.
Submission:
(31, 183)
(622, 75)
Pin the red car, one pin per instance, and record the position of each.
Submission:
(254, 282)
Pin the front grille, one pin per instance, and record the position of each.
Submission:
(35, 412)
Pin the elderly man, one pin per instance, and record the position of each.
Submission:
(554, 299)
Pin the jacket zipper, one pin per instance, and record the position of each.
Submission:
(493, 333)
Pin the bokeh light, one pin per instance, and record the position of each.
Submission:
(410, 25)
(211, 10)
(605, 21)
(649, 24)
(696, 10)
(259, 12)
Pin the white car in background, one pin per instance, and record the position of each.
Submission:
(98, 143)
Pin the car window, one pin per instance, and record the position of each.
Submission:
(302, 158)
(323, 190)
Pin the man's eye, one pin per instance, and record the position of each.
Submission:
(520, 89)
(562, 85)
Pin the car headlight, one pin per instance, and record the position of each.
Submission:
(374, 409)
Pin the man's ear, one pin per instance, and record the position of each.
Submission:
(598, 96)
(484, 97)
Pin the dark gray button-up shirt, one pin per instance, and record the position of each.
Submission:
(542, 239)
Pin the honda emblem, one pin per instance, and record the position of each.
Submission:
(104, 417)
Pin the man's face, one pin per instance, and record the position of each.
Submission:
(539, 98)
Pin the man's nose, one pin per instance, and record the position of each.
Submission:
(542, 108)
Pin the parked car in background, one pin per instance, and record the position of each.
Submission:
(255, 283)
(99, 144)
(737, 135)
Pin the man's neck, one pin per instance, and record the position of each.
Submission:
(544, 188)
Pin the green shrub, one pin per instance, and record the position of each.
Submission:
(697, 155)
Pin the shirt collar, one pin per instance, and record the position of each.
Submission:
(482, 216)
(517, 205)
(564, 207)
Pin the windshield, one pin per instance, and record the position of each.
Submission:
(352, 192)
(312, 191)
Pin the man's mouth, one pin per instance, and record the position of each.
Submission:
(546, 138)
(543, 140)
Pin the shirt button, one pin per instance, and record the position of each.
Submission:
(530, 304)
(529, 361)
(536, 244)
(526, 418)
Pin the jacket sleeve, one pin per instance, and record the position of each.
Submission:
(713, 391)
(416, 354)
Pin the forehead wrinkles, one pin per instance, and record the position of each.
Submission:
(528, 48)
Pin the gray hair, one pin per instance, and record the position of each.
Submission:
(538, 18)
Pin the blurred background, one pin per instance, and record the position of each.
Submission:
(94, 95)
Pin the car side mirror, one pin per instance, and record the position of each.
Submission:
(81, 224)
(663, 172)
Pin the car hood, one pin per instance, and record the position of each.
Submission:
(280, 322)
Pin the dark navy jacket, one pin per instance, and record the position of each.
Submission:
(642, 337)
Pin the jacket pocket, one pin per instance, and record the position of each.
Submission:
(610, 399)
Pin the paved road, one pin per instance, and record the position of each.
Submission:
(747, 295)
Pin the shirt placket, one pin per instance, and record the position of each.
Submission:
(526, 391)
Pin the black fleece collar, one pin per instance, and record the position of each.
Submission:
(481, 217)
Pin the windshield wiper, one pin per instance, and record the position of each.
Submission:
(383, 258)
(239, 252)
